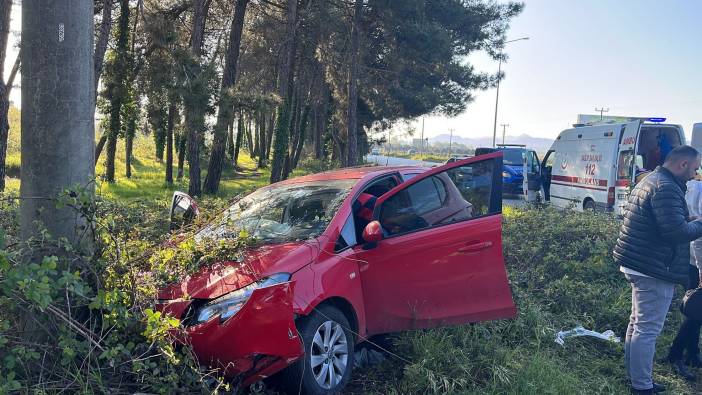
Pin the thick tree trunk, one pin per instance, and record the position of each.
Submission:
(169, 142)
(58, 138)
(303, 136)
(194, 113)
(352, 120)
(224, 114)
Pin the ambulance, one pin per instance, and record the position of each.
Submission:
(594, 165)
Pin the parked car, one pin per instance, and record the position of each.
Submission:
(513, 167)
(411, 151)
(456, 158)
(327, 274)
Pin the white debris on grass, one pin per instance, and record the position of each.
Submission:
(607, 335)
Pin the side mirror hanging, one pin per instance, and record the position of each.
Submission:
(183, 210)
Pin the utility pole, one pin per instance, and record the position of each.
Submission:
(450, 141)
(497, 96)
(504, 128)
(421, 143)
(601, 111)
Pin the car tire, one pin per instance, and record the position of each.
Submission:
(589, 206)
(306, 376)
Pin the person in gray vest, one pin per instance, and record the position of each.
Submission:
(653, 252)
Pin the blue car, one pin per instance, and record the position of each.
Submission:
(512, 165)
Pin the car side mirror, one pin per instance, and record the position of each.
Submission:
(372, 234)
(183, 210)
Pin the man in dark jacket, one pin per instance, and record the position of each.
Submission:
(653, 251)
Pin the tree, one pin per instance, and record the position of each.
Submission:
(57, 135)
(5, 86)
(285, 90)
(116, 88)
(99, 59)
(352, 133)
(224, 114)
(195, 97)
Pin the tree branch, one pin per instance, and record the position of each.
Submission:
(13, 73)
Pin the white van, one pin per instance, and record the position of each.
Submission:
(593, 166)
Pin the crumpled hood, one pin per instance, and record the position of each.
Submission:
(222, 277)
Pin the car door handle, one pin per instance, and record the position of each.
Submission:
(476, 247)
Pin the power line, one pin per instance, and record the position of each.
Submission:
(601, 111)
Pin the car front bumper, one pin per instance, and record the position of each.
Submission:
(258, 341)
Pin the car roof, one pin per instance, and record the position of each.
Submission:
(352, 173)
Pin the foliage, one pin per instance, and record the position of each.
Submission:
(562, 275)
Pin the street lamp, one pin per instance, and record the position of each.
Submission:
(497, 98)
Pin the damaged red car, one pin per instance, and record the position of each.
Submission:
(344, 255)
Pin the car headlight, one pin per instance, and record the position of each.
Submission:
(228, 305)
(505, 174)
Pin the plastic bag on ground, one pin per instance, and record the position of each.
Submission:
(607, 335)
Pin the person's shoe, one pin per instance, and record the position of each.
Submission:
(694, 361)
(658, 388)
(634, 391)
(680, 368)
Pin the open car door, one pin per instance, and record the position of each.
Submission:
(439, 260)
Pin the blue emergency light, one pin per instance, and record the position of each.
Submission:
(656, 119)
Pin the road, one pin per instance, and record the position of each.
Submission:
(383, 160)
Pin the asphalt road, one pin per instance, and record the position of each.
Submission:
(383, 160)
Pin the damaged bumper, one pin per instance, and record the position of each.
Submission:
(258, 341)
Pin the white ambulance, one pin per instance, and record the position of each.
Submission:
(593, 166)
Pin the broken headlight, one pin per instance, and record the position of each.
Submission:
(228, 305)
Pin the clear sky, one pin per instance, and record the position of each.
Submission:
(637, 57)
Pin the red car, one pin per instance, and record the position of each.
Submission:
(345, 255)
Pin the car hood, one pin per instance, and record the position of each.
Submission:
(516, 170)
(257, 263)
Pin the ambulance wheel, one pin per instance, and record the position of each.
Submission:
(589, 205)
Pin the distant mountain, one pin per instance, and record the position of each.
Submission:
(536, 143)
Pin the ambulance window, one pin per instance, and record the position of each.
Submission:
(625, 165)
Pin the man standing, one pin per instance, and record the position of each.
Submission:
(653, 251)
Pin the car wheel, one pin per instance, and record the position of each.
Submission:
(589, 205)
(326, 366)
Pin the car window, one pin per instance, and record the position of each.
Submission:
(347, 238)
(380, 187)
(454, 195)
(407, 177)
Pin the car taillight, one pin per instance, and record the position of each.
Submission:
(610, 197)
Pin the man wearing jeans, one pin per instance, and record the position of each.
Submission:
(653, 251)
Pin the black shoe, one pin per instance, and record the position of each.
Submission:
(694, 361)
(657, 388)
(681, 370)
(642, 392)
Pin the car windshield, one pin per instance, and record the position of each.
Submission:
(512, 157)
(284, 213)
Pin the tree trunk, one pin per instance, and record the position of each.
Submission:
(230, 140)
(239, 137)
(194, 111)
(117, 90)
(249, 137)
(282, 127)
(269, 135)
(102, 41)
(352, 120)
(182, 143)
(128, 146)
(58, 136)
(5, 88)
(224, 114)
(262, 140)
(301, 141)
(100, 146)
(169, 143)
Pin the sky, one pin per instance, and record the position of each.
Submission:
(635, 57)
